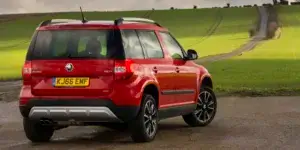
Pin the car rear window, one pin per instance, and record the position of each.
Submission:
(73, 44)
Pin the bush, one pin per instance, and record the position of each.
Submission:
(172, 8)
(284, 2)
(247, 5)
(195, 7)
(274, 30)
(251, 32)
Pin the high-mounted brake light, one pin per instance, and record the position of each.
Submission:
(123, 69)
(26, 72)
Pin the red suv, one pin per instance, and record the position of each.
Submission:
(128, 73)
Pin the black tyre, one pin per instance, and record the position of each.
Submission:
(144, 127)
(36, 132)
(205, 111)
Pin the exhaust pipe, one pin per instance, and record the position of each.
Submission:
(42, 122)
(46, 122)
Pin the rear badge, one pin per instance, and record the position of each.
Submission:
(69, 67)
(108, 71)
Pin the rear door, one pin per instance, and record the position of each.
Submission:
(186, 74)
(156, 63)
(73, 62)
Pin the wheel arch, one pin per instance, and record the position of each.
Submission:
(206, 81)
(153, 89)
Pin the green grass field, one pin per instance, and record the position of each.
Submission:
(273, 68)
(270, 69)
(190, 26)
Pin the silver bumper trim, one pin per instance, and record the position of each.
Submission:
(85, 114)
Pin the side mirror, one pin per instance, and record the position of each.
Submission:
(192, 54)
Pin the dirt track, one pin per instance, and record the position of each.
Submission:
(251, 44)
(241, 123)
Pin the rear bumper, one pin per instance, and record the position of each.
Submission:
(85, 110)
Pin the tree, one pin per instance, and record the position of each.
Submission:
(284, 2)
(228, 5)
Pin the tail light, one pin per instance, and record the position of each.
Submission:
(26, 72)
(123, 69)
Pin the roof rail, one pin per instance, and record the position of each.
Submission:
(53, 21)
(134, 19)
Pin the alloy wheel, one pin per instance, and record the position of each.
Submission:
(206, 107)
(150, 118)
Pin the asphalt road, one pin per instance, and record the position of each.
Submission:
(241, 123)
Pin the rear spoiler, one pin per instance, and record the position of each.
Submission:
(134, 19)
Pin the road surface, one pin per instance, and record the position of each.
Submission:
(241, 123)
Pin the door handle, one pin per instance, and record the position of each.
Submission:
(154, 69)
(177, 70)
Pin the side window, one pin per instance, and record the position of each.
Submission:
(172, 46)
(151, 44)
(131, 44)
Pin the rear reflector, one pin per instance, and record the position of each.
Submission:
(26, 72)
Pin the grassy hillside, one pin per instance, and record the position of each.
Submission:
(190, 26)
(270, 69)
